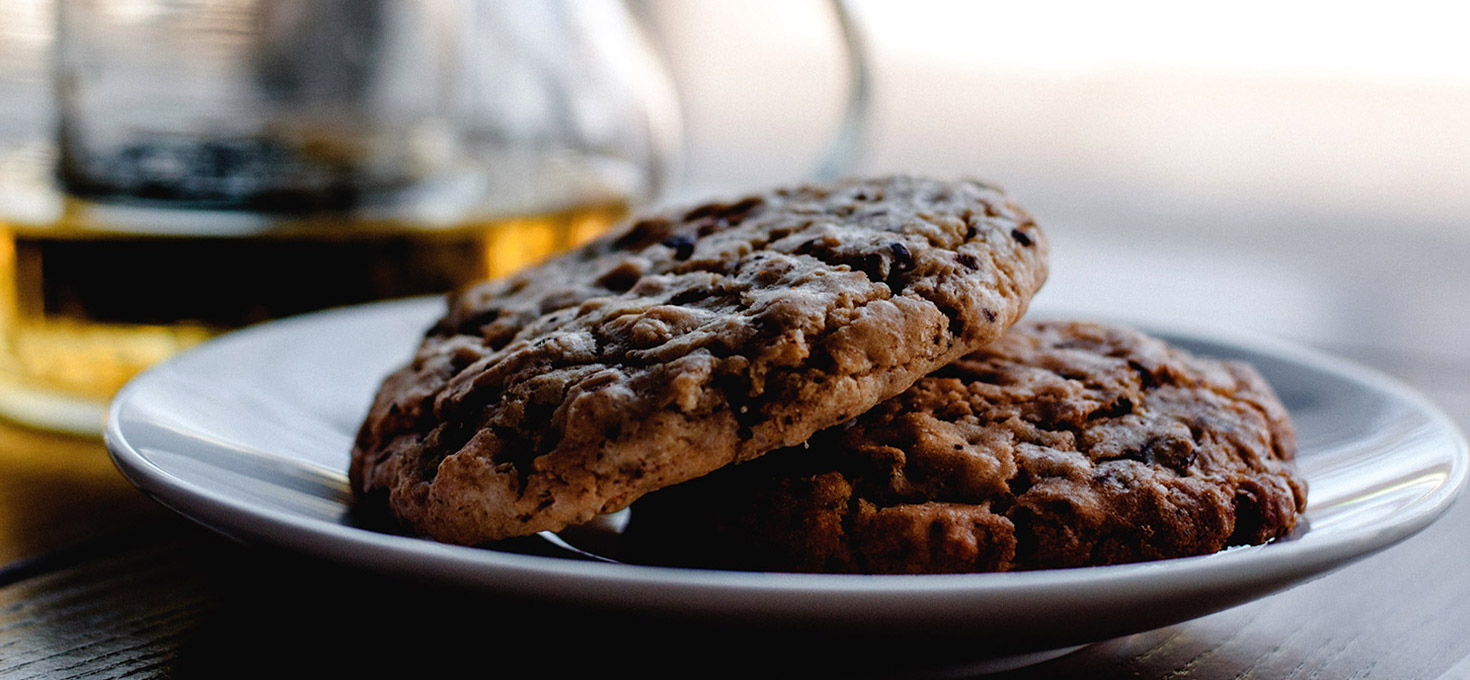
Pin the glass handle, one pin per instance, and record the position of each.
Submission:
(846, 144)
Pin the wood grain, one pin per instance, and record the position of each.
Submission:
(58, 490)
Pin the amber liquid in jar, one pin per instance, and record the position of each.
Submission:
(84, 309)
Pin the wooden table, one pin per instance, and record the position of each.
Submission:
(99, 581)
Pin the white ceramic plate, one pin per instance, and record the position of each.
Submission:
(250, 435)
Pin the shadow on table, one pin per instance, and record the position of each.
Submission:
(275, 612)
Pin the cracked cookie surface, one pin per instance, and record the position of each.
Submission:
(1062, 444)
(684, 342)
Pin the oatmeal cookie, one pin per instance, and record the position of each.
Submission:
(684, 342)
(1063, 444)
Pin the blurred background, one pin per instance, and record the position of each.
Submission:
(1296, 168)
(1126, 110)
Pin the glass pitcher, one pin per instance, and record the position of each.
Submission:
(214, 163)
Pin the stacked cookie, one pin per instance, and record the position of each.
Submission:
(853, 339)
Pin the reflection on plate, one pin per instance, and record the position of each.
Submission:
(250, 435)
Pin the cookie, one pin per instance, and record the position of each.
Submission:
(1063, 444)
(684, 342)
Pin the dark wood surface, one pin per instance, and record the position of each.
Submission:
(98, 581)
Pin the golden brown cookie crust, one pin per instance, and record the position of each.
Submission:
(684, 342)
(1063, 444)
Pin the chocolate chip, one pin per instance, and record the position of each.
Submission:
(682, 244)
(472, 324)
(903, 260)
(685, 297)
(709, 226)
(621, 278)
(989, 315)
(956, 320)
(728, 214)
(1120, 407)
(643, 234)
(874, 265)
(1146, 377)
(708, 210)
(967, 260)
(1174, 452)
(1021, 237)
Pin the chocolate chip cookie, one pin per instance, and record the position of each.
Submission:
(1063, 444)
(684, 342)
